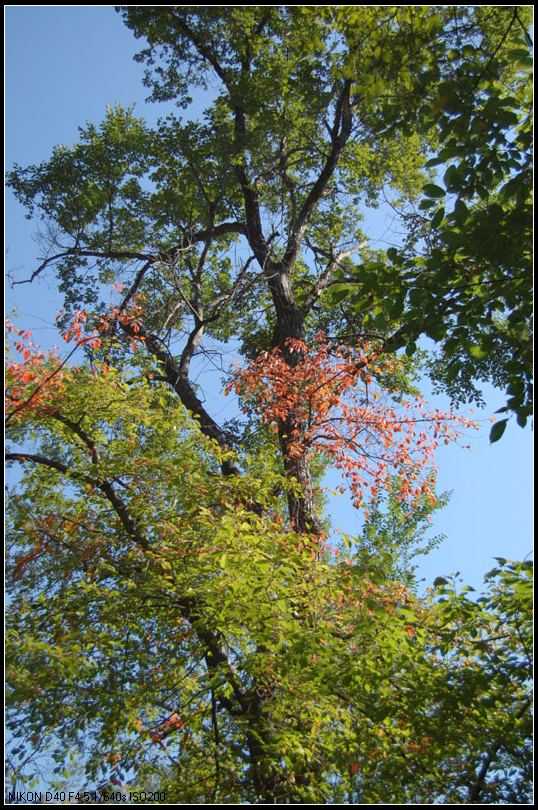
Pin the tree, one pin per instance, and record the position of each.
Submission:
(192, 613)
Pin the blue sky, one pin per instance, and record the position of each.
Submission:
(63, 66)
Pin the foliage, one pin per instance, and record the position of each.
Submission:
(470, 286)
(180, 615)
(393, 535)
(343, 408)
(163, 598)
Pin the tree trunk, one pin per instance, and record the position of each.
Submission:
(301, 500)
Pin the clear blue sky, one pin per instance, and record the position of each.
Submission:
(63, 66)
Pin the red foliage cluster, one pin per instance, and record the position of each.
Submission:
(167, 727)
(335, 401)
(130, 318)
(76, 332)
(23, 560)
(35, 381)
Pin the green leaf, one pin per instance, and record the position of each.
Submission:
(339, 292)
(460, 213)
(521, 56)
(453, 237)
(479, 352)
(506, 119)
(436, 161)
(452, 178)
(431, 190)
(437, 218)
(426, 204)
(497, 431)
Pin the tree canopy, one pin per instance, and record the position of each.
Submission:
(182, 616)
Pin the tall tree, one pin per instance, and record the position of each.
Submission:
(245, 225)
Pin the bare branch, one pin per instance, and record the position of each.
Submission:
(135, 285)
(97, 254)
(202, 235)
(193, 342)
(224, 229)
(217, 303)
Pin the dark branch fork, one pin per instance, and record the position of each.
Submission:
(277, 272)
(178, 380)
(339, 134)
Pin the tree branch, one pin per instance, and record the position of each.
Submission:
(475, 791)
(97, 254)
(205, 51)
(224, 229)
(202, 235)
(180, 383)
(75, 428)
(254, 231)
(128, 523)
(325, 278)
(340, 132)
